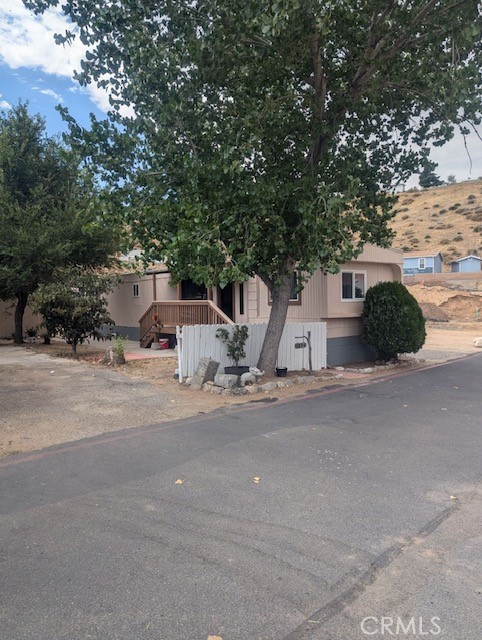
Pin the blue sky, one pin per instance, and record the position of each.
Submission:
(34, 68)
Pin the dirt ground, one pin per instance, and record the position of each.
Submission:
(46, 398)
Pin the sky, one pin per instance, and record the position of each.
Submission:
(34, 68)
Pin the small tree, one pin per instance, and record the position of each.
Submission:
(451, 179)
(428, 178)
(393, 321)
(234, 341)
(74, 306)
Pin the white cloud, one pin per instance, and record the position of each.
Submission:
(27, 40)
(53, 94)
(5, 105)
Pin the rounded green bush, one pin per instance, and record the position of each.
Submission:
(393, 321)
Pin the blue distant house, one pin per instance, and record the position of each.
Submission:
(421, 262)
(466, 265)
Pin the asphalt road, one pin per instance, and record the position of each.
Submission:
(366, 506)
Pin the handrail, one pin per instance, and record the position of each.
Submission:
(180, 312)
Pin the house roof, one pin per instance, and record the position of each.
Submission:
(466, 258)
(422, 254)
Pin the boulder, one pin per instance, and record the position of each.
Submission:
(205, 372)
(226, 380)
(269, 386)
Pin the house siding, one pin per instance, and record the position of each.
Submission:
(467, 265)
(433, 264)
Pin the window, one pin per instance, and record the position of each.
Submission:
(135, 290)
(241, 298)
(353, 284)
(421, 263)
(295, 295)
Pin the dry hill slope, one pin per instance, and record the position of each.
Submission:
(446, 219)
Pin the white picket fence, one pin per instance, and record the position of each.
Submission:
(199, 341)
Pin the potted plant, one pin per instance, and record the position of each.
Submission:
(235, 342)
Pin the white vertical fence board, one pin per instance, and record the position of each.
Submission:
(200, 341)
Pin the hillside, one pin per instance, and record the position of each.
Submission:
(446, 219)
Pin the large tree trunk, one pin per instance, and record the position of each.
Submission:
(280, 295)
(19, 311)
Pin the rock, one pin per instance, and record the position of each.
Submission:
(367, 370)
(253, 388)
(339, 368)
(238, 391)
(280, 384)
(226, 380)
(188, 380)
(269, 386)
(205, 372)
(215, 390)
(478, 342)
(305, 379)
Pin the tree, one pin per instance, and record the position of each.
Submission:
(451, 179)
(49, 211)
(74, 304)
(265, 136)
(392, 320)
(428, 178)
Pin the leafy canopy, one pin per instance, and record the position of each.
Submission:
(265, 134)
(50, 209)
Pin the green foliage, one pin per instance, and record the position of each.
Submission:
(451, 179)
(74, 305)
(119, 346)
(248, 136)
(393, 321)
(235, 341)
(428, 178)
(50, 210)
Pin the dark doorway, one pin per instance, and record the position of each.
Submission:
(192, 291)
(225, 298)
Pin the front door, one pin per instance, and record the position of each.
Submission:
(225, 300)
(192, 291)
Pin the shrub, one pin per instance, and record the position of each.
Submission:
(405, 217)
(393, 321)
(458, 238)
(234, 341)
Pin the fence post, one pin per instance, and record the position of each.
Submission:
(179, 352)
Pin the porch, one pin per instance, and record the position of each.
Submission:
(163, 316)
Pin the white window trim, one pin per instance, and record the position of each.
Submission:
(135, 290)
(353, 271)
(422, 261)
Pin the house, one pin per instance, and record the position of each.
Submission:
(466, 265)
(146, 305)
(422, 262)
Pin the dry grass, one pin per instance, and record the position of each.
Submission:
(431, 214)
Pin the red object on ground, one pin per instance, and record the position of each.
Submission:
(163, 343)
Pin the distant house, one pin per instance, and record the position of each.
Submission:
(466, 265)
(422, 262)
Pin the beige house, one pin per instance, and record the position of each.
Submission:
(146, 306)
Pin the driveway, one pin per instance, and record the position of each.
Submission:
(288, 520)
